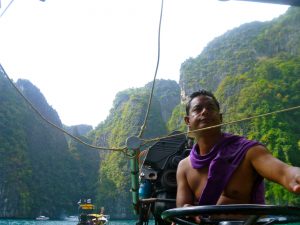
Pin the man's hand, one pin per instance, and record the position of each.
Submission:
(295, 182)
(196, 219)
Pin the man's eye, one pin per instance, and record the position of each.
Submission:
(211, 107)
(198, 108)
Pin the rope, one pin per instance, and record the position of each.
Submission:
(222, 124)
(122, 149)
(155, 74)
(6, 8)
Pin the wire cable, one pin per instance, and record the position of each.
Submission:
(155, 74)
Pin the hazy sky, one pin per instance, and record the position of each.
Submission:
(81, 53)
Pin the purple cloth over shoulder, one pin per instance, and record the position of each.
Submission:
(222, 161)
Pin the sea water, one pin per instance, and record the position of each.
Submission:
(62, 222)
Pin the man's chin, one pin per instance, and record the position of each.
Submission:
(203, 129)
(200, 133)
(206, 131)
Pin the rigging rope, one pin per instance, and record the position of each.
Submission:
(6, 8)
(152, 89)
(155, 74)
(144, 141)
(222, 124)
(122, 149)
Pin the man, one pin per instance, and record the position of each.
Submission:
(224, 168)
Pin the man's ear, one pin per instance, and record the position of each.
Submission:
(187, 120)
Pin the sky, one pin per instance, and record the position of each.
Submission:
(80, 54)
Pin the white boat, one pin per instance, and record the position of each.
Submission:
(42, 218)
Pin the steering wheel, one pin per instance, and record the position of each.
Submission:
(237, 214)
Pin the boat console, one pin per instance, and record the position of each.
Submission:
(157, 191)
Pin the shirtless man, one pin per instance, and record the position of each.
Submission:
(254, 164)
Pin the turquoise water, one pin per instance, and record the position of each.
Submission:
(60, 222)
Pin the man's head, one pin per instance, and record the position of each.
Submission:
(203, 110)
(198, 93)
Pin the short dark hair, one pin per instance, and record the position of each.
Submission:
(198, 93)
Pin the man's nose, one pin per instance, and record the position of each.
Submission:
(204, 111)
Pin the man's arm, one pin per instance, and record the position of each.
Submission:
(184, 195)
(273, 169)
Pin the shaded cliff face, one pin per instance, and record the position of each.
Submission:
(34, 156)
(79, 130)
(167, 93)
(238, 50)
(15, 168)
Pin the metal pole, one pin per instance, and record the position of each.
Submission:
(133, 144)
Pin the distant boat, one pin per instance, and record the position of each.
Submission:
(94, 218)
(87, 214)
(42, 218)
(99, 219)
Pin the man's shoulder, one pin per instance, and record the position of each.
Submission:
(186, 159)
(186, 162)
(257, 149)
(233, 139)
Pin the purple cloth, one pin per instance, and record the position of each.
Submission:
(222, 161)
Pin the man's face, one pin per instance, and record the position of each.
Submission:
(203, 113)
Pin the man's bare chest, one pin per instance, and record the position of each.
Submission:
(237, 190)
